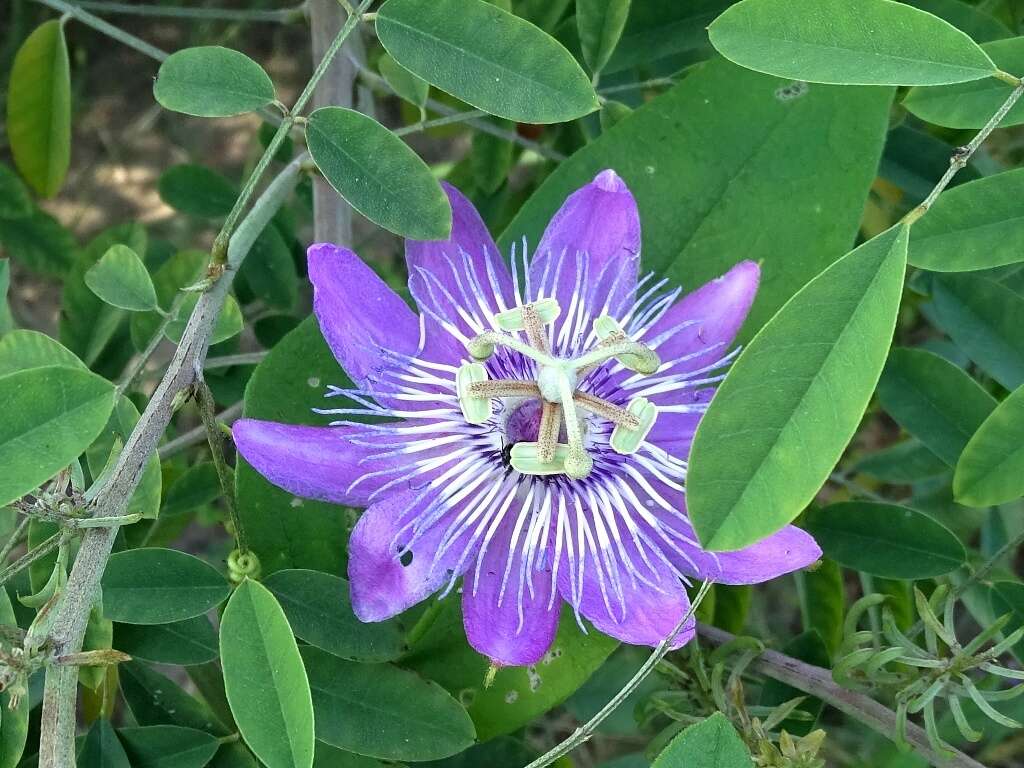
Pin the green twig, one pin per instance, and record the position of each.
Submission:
(138, 362)
(282, 15)
(226, 361)
(15, 538)
(217, 440)
(37, 552)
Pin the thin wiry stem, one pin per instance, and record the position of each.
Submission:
(197, 435)
(282, 15)
(15, 538)
(75, 12)
(585, 731)
(226, 361)
(217, 439)
(42, 550)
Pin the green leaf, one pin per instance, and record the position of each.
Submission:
(705, 211)
(15, 202)
(40, 242)
(811, 371)
(902, 463)
(488, 58)
(396, 190)
(187, 642)
(101, 748)
(823, 602)
(1008, 597)
(39, 109)
(711, 743)
(269, 271)
(870, 42)
(6, 320)
(382, 711)
(197, 191)
(886, 540)
(52, 414)
(491, 160)
(990, 470)
(600, 24)
(182, 269)
(985, 320)
(120, 279)
(658, 30)
(13, 722)
(159, 586)
(933, 400)
(518, 695)
(211, 81)
(157, 700)
(229, 322)
(319, 610)
(24, 349)
(975, 22)
(972, 104)
(332, 757)
(264, 678)
(146, 498)
(167, 746)
(403, 82)
(196, 487)
(973, 226)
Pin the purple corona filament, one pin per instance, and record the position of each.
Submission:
(526, 435)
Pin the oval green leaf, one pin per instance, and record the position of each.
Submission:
(159, 586)
(382, 711)
(210, 81)
(378, 174)
(991, 468)
(972, 104)
(715, 208)
(886, 540)
(403, 82)
(101, 748)
(319, 610)
(794, 397)
(39, 109)
(186, 643)
(972, 226)
(488, 58)
(985, 319)
(196, 487)
(52, 414)
(40, 242)
(711, 743)
(979, 24)
(167, 746)
(155, 699)
(600, 24)
(933, 400)
(197, 191)
(903, 463)
(121, 280)
(264, 679)
(869, 42)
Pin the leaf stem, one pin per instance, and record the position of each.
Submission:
(282, 15)
(42, 550)
(963, 154)
(195, 436)
(217, 440)
(108, 29)
(15, 538)
(226, 361)
(585, 731)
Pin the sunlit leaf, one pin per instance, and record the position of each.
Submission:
(794, 398)
(487, 57)
(990, 470)
(869, 42)
(711, 743)
(39, 109)
(120, 279)
(211, 81)
(51, 415)
(265, 681)
(378, 174)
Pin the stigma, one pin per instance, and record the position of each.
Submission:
(563, 404)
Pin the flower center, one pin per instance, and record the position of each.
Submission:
(554, 399)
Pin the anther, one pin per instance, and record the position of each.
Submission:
(547, 310)
(626, 439)
(614, 343)
(475, 409)
(526, 458)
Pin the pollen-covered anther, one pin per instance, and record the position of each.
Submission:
(476, 409)
(627, 438)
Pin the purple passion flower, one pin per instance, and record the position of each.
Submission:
(526, 433)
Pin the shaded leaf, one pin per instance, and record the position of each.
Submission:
(711, 743)
(157, 700)
(823, 602)
(15, 202)
(101, 748)
(197, 190)
(159, 586)
(980, 25)
(269, 270)
(167, 746)
(40, 242)
(186, 642)
(196, 487)
(933, 400)
(403, 82)
(229, 321)
(905, 462)
(600, 24)
(808, 647)
(487, 57)
(885, 540)
(811, 370)
(870, 42)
